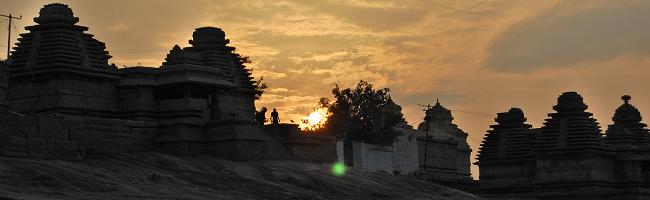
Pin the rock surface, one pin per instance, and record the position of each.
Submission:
(161, 176)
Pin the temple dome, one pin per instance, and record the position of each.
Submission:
(438, 112)
(57, 41)
(570, 101)
(441, 125)
(509, 138)
(570, 127)
(627, 129)
(209, 48)
(514, 115)
(56, 13)
(208, 37)
(626, 113)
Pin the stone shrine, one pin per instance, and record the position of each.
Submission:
(66, 101)
(448, 153)
(568, 157)
(506, 156)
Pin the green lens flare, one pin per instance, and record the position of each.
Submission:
(338, 169)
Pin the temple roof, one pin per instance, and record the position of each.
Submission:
(209, 48)
(55, 42)
(626, 113)
(56, 13)
(441, 125)
(208, 38)
(570, 127)
(627, 129)
(439, 113)
(509, 138)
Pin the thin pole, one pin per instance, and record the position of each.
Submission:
(9, 36)
(426, 143)
(11, 18)
(427, 118)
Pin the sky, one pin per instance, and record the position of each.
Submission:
(477, 57)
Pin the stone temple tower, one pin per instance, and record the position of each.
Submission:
(210, 71)
(200, 101)
(56, 67)
(627, 130)
(448, 153)
(506, 156)
(568, 158)
(571, 158)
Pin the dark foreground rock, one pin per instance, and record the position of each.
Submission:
(161, 176)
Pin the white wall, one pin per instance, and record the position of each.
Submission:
(401, 157)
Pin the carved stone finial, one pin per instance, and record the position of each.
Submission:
(626, 98)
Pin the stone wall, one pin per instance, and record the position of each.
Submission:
(511, 177)
(69, 94)
(373, 157)
(440, 156)
(288, 142)
(406, 152)
(44, 136)
(401, 157)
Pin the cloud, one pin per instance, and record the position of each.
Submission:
(319, 57)
(280, 90)
(119, 27)
(259, 72)
(571, 33)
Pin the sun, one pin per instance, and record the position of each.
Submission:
(314, 120)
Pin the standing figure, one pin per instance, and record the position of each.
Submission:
(260, 116)
(275, 117)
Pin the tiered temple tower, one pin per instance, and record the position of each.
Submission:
(448, 152)
(218, 90)
(201, 100)
(629, 138)
(569, 158)
(627, 130)
(571, 128)
(506, 157)
(59, 68)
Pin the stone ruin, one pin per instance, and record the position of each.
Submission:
(568, 157)
(448, 153)
(399, 158)
(59, 98)
(447, 157)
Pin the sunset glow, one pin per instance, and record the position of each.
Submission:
(314, 120)
(477, 57)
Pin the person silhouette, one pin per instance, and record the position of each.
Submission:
(274, 116)
(260, 116)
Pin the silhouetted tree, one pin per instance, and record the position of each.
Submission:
(364, 114)
(260, 86)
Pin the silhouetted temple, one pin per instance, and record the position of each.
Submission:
(447, 157)
(506, 157)
(568, 157)
(66, 100)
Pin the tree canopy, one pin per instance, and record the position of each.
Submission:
(363, 114)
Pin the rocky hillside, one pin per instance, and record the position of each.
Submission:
(160, 176)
